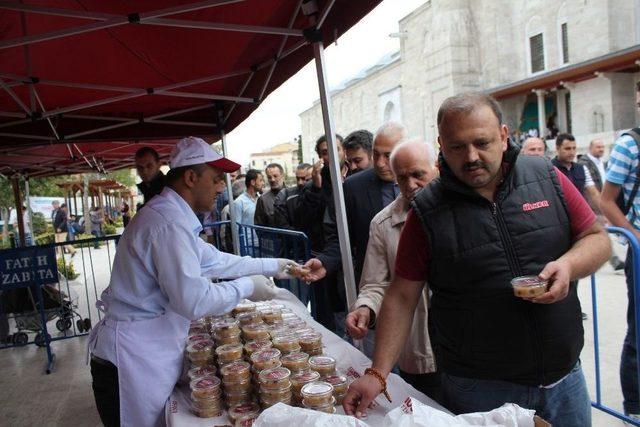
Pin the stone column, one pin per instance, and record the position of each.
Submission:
(561, 102)
(542, 116)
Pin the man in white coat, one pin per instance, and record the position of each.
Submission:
(161, 280)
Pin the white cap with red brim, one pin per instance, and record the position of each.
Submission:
(195, 151)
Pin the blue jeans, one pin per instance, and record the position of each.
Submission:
(628, 364)
(565, 405)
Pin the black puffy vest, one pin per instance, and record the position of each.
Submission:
(575, 174)
(479, 329)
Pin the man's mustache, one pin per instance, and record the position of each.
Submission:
(474, 165)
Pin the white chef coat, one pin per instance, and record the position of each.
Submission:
(161, 263)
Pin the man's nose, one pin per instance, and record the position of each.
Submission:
(471, 154)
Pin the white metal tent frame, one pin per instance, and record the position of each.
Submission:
(36, 110)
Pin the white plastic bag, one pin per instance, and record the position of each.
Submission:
(282, 415)
(413, 413)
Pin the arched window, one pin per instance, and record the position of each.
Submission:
(390, 112)
(563, 34)
(535, 45)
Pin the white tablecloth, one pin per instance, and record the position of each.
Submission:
(350, 362)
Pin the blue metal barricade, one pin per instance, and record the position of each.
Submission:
(219, 234)
(635, 250)
(43, 284)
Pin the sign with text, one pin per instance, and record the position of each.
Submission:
(28, 266)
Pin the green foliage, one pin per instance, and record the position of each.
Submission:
(67, 269)
(85, 236)
(46, 187)
(123, 177)
(109, 229)
(45, 238)
(6, 193)
(40, 225)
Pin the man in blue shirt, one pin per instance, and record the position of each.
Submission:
(622, 175)
(245, 208)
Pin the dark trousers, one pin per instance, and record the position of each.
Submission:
(428, 384)
(628, 363)
(106, 391)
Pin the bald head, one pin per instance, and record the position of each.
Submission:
(384, 141)
(414, 166)
(533, 147)
(596, 148)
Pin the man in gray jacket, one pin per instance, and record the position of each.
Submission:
(414, 166)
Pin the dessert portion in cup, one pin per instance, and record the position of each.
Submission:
(529, 286)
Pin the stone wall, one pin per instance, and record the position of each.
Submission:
(453, 46)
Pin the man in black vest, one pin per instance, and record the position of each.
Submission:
(577, 173)
(492, 216)
(597, 169)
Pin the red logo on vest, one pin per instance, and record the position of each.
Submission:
(535, 205)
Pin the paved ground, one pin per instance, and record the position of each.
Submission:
(29, 397)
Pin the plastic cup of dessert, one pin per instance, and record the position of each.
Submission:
(286, 343)
(275, 378)
(299, 379)
(229, 353)
(249, 318)
(339, 383)
(310, 340)
(255, 332)
(275, 394)
(241, 386)
(317, 393)
(296, 361)
(265, 359)
(200, 352)
(243, 307)
(227, 339)
(271, 315)
(224, 328)
(201, 371)
(236, 371)
(529, 286)
(244, 411)
(205, 387)
(324, 365)
(239, 398)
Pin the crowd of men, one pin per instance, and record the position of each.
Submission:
(436, 240)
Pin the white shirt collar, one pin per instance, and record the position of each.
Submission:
(189, 215)
(594, 159)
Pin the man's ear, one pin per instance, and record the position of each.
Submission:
(189, 178)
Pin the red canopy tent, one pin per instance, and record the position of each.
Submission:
(76, 72)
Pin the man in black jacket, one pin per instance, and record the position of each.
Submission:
(493, 215)
(365, 194)
(148, 166)
(61, 228)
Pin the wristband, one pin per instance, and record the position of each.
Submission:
(374, 373)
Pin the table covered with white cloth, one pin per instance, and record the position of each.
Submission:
(350, 362)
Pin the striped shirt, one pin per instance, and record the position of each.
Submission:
(621, 170)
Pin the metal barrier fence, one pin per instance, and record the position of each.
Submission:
(36, 295)
(635, 250)
(266, 242)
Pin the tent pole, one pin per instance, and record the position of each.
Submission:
(85, 204)
(29, 212)
(336, 175)
(232, 213)
(17, 197)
